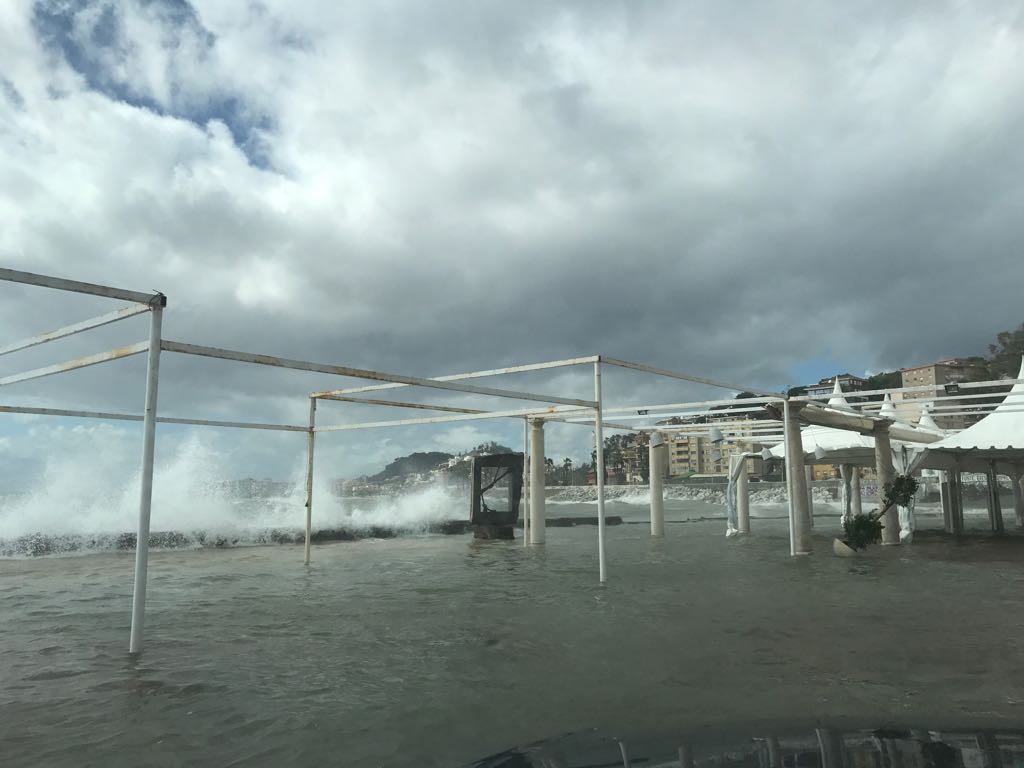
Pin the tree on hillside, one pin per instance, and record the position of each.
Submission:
(411, 464)
(884, 380)
(1004, 356)
(759, 414)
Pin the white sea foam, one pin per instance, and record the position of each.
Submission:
(88, 504)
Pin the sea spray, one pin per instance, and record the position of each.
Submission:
(93, 506)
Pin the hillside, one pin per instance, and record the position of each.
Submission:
(411, 464)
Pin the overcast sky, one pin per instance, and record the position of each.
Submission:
(764, 193)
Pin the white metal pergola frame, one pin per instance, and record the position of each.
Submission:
(555, 408)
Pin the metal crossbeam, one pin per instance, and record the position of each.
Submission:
(362, 373)
(75, 286)
(938, 388)
(161, 419)
(684, 376)
(472, 375)
(70, 330)
(522, 412)
(396, 403)
(81, 362)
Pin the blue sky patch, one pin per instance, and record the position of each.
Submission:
(60, 27)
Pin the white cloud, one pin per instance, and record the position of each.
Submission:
(423, 189)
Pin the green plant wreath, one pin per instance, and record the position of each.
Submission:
(865, 528)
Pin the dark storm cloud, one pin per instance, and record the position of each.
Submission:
(450, 186)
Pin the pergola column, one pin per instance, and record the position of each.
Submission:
(886, 472)
(846, 476)
(800, 521)
(656, 449)
(742, 498)
(537, 533)
(856, 506)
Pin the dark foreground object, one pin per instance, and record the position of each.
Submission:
(816, 745)
(40, 544)
(501, 475)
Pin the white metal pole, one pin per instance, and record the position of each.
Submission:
(146, 492)
(599, 440)
(787, 427)
(537, 500)
(526, 482)
(743, 498)
(310, 445)
(656, 484)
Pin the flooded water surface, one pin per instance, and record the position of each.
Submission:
(434, 650)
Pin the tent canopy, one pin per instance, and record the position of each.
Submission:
(999, 438)
(830, 445)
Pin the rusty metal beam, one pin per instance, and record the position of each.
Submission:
(472, 375)
(75, 286)
(362, 373)
(135, 417)
(395, 403)
(81, 362)
(684, 376)
(549, 414)
(70, 330)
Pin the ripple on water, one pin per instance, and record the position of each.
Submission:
(409, 652)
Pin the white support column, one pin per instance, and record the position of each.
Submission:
(537, 530)
(787, 427)
(743, 498)
(809, 473)
(599, 440)
(310, 445)
(526, 482)
(800, 514)
(886, 472)
(655, 450)
(146, 492)
(846, 497)
(856, 503)
(1018, 496)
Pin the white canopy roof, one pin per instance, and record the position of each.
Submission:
(837, 446)
(999, 438)
(828, 445)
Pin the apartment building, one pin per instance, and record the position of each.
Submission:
(938, 374)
